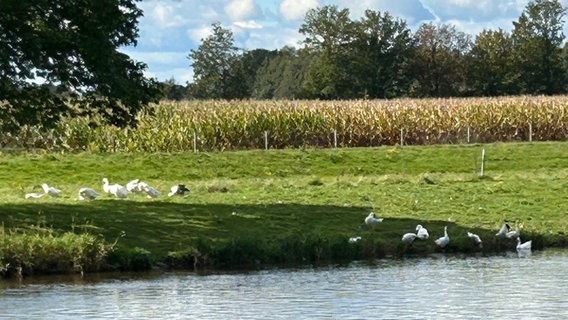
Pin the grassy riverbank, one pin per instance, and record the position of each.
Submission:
(296, 206)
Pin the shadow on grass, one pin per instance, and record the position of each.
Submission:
(185, 235)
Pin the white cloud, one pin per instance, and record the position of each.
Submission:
(239, 10)
(250, 24)
(296, 9)
(202, 32)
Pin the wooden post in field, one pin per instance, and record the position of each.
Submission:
(335, 138)
(482, 162)
(530, 131)
(266, 139)
(401, 136)
(468, 134)
(194, 142)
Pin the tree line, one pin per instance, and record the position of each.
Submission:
(61, 58)
(378, 56)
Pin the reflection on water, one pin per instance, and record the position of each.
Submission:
(531, 287)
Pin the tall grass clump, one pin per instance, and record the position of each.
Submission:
(229, 125)
(38, 250)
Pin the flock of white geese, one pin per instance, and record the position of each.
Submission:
(135, 186)
(422, 234)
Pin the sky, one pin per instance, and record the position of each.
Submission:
(169, 29)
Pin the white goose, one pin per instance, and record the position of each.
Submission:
(116, 189)
(475, 238)
(515, 233)
(525, 246)
(34, 195)
(150, 191)
(421, 232)
(408, 237)
(371, 220)
(503, 231)
(354, 239)
(52, 191)
(443, 241)
(132, 186)
(86, 193)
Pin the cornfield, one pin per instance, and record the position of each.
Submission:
(230, 125)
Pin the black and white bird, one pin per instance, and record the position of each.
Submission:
(475, 238)
(514, 233)
(179, 189)
(86, 193)
(421, 232)
(371, 220)
(503, 231)
(133, 186)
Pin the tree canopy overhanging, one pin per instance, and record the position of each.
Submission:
(61, 57)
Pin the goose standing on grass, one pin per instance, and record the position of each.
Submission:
(371, 220)
(115, 189)
(408, 237)
(178, 189)
(525, 246)
(421, 232)
(475, 238)
(503, 231)
(150, 191)
(443, 241)
(87, 194)
(52, 191)
(515, 233)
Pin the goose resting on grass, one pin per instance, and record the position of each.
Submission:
(34, 195)
(421, 232)
(132, 186)
(525, 246)
(443, 241)
(115, 189)
(52, 191)
(371, 220)
(87, 194)
(150, 191)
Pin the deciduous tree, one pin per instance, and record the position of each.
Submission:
(62, 57)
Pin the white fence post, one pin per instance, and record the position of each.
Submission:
(482, 162)
(401, 136)
(194, 142)
(266, 139)
(335, 138)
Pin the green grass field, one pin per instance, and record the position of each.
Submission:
(301, 205)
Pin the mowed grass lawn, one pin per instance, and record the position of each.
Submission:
(292, 195)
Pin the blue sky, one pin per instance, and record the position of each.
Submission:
(171, 28)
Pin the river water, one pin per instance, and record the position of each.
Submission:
(436, 287)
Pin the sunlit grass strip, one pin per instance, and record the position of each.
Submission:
(41, 250)
(225, 125)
